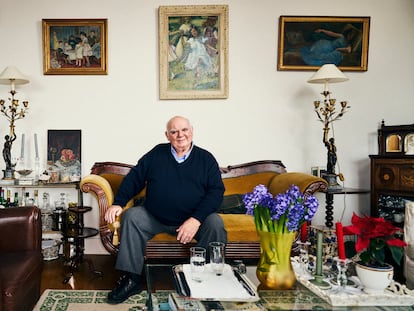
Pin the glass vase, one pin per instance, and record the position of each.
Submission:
(274, 270)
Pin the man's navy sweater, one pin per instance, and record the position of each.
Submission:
(175, 191)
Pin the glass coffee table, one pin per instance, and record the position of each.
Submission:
(160, 283)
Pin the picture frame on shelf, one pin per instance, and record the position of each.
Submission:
(75, 46)
(193, 51)
(308, 42)
(318, 171)
(64, 155)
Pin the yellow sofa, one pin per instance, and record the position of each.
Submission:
(243, 241)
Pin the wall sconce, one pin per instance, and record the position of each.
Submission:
(327, 114)
(13, 112)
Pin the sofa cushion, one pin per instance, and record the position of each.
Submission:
(232, 204)
(239, 228)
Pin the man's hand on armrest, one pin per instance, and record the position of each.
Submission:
(112, 212)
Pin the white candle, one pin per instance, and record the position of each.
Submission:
(36, 147)
(22, 148)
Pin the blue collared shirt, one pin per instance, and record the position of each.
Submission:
(182, 158)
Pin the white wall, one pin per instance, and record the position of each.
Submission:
(268, 115)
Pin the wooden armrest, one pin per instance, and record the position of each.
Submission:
(102, 190)
(308, 184)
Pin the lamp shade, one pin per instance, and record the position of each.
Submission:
(12, 75)
(328, 73)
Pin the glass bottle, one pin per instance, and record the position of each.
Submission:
(2, 199)
(46, 201)
(8, 198)
(27, 201)
(36, 198)
(16, 199)
(23, 202)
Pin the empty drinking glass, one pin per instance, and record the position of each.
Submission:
(217, 257)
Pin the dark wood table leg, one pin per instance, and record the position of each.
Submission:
(329, 209)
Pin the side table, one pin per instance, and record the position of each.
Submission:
(329, 196)
(76, 234)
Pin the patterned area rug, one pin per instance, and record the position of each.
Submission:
(90, 300)
(298, 298)
(94, 300)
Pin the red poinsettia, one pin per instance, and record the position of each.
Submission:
(374, 235)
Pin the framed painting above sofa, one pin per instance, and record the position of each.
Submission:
(193, 50)
(308, 42)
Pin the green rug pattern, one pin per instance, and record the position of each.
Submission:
(91, 300)
(297, 298)
(79, 300)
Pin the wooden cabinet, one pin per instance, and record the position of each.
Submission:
(392, 183)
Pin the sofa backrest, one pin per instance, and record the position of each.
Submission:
(237, 179)
(240, 179)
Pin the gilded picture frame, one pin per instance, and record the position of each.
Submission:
(75, 46)
(193, 52)
(308, 42)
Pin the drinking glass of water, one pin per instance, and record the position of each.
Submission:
(197, 263)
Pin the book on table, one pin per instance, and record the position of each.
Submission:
(182, 303)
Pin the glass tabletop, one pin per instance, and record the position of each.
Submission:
(160, 279)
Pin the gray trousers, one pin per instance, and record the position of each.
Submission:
(138, 226)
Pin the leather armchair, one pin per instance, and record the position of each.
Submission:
(21, 260)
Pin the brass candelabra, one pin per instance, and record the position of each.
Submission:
(327, 114)
(13, 112)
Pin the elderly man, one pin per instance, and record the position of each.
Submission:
(184, 190)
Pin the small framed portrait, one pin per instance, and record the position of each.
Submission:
(318, 171)
(193, 51)
(393, 143)
(64, 155)
(409, 144)
(308, 42)
(74, 46)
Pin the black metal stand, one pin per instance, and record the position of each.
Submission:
(75, 235)
(329, 196)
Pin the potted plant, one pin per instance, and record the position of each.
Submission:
(374, 236)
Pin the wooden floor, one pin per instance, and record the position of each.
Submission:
(55, 271)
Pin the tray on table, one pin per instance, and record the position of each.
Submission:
(230, 286)
(395, 295)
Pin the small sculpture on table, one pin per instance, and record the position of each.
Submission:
(330, 175)
(9, 171)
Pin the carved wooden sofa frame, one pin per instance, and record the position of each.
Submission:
(243, 241)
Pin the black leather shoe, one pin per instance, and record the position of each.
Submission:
(125, 288)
